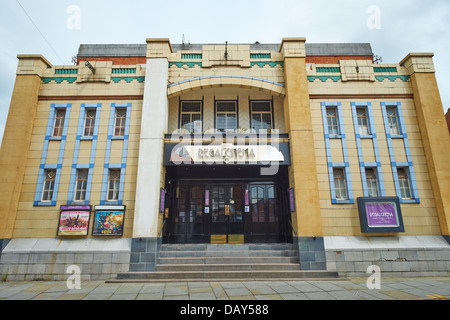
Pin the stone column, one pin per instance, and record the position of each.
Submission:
(307, 219)
(17, 137)
(151, 173)
(434, 131)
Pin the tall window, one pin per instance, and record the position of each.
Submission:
(58, 126)
(120, 123)
(332, 121)
(89, 122)
(363, 122)
(405, 186)
(191, 114)
(372, 182)
(340, 184)
(226, 115)
(114, 185)
(82, 180)
(261, 115)
(393, 120)
(49, 185)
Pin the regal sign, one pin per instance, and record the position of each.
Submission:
(226, 154)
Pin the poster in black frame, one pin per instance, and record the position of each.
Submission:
(380, 215)
(109, 221)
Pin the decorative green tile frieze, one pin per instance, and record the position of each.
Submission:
(384, 69)
(128, 79)
(328, 70)
(58, 80)
(392, 78)
(191, 56)
(324, 78)
(123, 70)
(188, 64)
(260, 56)
(66, 71)
(272, 64)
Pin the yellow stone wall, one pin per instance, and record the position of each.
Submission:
(343, 219)
(42, 222)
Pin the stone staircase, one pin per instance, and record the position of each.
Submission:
(232, 262)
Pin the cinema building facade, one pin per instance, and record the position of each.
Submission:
(140, 146)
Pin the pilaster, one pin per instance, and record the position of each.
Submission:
(154, 125)
(17, 137)
(434, 131)
(303, 172)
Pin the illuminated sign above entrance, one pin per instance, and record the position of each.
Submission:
(227, 154)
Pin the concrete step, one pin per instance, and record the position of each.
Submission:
(225, 276)
(228, 253)
(227, 267)
(227, 260)
(227, 247)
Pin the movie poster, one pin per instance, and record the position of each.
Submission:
(74, 223)
(108, 223)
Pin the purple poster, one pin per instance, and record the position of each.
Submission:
(381, 215)
(163, 201)
(206, 198)
(292, 200)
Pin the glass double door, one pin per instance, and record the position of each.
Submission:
(265, 214)
(227, 206)
(226, 213)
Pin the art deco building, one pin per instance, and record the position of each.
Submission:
(310, 146)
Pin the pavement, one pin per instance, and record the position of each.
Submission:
(423, 288)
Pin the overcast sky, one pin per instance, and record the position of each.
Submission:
(394, 28)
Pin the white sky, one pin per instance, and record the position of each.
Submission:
(405, 26)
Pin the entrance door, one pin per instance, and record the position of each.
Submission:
(187, 223)
(265, 212)
(226, 214)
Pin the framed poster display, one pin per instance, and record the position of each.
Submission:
(162, 198)
(109, 221)
(292, 200)
(380, 215)
(74, 221)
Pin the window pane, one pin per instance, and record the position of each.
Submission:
(59, 123)
(121, 117)
(261, 106)
(89, 123)
(340, 184)
(114, 184)
(372, 182)
(261, 115)
(49, 185)
(226, 106)
(393, 120)
(190, 107)
(332, 121)
(363, 123)
(190, 112)
(81, 187)
(226, 115)
(403, 180)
